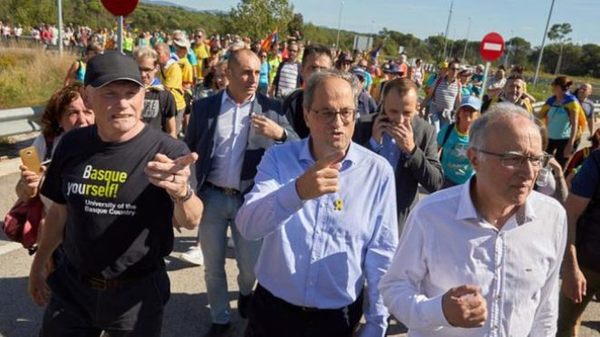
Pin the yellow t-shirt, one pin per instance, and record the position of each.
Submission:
(187, 72)
(171, 77)
(202, 52)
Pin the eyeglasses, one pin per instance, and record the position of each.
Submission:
(293, 50)
(330, 115)
(513, 159)
(454, 69)
(146, 70)
(318, 68)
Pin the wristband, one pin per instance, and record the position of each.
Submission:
(188, 195)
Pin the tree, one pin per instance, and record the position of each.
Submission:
(436, 45)
(518, 51)
(590, 60)
(296, 24)
(258, 18)
(559, 32)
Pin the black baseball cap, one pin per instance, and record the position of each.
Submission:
(111, 66)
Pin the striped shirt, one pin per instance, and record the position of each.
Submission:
(445, 95)
(288, 78)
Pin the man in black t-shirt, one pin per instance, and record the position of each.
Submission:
(159, 104)
(112, 186)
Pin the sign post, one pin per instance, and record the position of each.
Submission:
(491, 49)
(120, 8)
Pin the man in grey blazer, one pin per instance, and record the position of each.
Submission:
(408, 143)
(230, 132)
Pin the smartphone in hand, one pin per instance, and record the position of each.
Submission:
(31, 159)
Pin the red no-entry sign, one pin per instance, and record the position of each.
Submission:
(492, 47)
(120, 7)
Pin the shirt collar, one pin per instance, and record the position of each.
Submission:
(466, 208)
(352, 156)
(169, 63)
(227, 98)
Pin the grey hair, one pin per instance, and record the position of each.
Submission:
(145, 52)
(164, 49)
(480, 129)
(317, 78)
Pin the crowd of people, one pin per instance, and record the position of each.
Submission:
(313, 159)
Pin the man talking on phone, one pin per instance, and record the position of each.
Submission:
(408, 143)
(117, 188)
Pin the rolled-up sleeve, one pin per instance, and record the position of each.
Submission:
(380, 251)
(401, 285)
(546, 315)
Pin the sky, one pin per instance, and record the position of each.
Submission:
(423, 18)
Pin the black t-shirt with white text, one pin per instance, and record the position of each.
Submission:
(118, 223)
(159, 105)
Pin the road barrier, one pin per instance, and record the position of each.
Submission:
(20, 120)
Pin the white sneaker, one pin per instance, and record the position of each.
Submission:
(193, 256)
(230, 243)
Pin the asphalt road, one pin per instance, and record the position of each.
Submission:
(187, 311)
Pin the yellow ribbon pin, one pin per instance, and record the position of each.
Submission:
(338, 205)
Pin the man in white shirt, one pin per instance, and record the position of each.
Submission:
(483, 258)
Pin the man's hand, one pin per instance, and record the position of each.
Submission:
(574, 284)
(266, 127)
(321, 178)
(464, 307)
(172, 175)
(38, 289)
(403, 135)
(379, 126)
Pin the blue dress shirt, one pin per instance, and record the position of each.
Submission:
(231, 140)
(318, 252)
(389, 150)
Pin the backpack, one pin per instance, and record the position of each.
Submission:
(445, 139)
(436, 85)
(22, 222)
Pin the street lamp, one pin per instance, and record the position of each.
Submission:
(467, 41)
(539, 62)
(60, 24)
(337, 40)
(447, 28)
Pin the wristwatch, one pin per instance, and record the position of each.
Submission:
(283, 137)
(188, 195)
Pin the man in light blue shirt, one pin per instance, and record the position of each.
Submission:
(326, 210)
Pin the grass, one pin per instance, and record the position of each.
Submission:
(29, 76)
(542, 90)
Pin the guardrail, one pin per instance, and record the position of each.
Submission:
(21, 120)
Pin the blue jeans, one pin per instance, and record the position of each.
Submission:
(219, 213)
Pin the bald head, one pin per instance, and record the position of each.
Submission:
(240, 56)
(501, 120)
